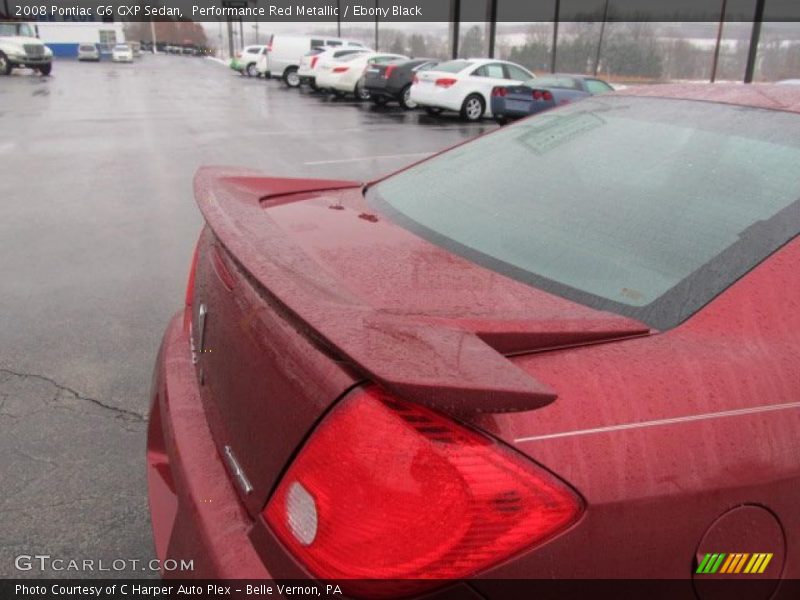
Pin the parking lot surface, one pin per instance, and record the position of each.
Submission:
(97, 226)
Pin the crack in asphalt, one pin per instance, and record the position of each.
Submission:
(122, 413)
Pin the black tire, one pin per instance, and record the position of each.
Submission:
(405, 100)
(501, 120)
(433, 111)
(379, 100)
(250, 70)
(361, 93)
(291, 78)
(313, 85)
(5, 65)
(473, 108)
(46, 69)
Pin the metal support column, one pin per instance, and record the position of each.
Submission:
(556, 17)
(491, 16)
(715, 62)
(600, 41)
(455, 17)
(752, 53)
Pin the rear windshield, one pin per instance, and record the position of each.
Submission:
(454, 66)
(352, 56)
(567, 83)
(341, 53)
(642, 206)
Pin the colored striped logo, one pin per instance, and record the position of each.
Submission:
(734, 564)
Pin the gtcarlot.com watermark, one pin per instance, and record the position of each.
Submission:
(46, 562)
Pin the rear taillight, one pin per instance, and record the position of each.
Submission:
(542, 95)
(340, 69)
(314, 61)
(388, 72)
(386, 489)
(446, 82)
(499, 92)
(414, 80)
(190, 287)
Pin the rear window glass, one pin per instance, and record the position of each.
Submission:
(642, 206)
(352, 56)
(341, 53)
(454, 66)
(567, 83)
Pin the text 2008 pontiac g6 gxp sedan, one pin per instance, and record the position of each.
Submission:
(566, 349)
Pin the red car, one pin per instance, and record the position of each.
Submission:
(567, 349)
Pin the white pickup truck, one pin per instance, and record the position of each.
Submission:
(21, 47)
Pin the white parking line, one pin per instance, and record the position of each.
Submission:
(381, 157)
(643, 424)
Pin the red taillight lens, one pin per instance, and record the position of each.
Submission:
(340, 69)
(499, 92)
(446, 82)
(388, 72)
(385, 489)
(414, 80)
(542, 95)
(314, 60)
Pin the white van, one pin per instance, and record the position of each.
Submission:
(284, 52)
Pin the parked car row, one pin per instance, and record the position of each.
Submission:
(474, 87)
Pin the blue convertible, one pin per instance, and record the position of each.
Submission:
(536, 95)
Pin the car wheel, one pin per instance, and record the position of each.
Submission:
(405, 98)
(501, 120)
(5, 65)
(380, 100)
(251, 70)
(473, 107)
(291, 78)
(433, 111)
(361, 92)
(45, 69)
(313, 85)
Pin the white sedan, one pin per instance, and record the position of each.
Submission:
(344, 75)
(122, 53)
(465, 85)
(320, 56)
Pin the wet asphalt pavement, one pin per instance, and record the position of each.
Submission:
(97, 227)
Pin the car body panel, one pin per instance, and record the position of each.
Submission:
(122, 53)
(287, 51)
(310, 62)
(425, 92)
(346, 82)
(661, 433)
(88, 52)
(401, 75)
(247, 57)
(519, 101)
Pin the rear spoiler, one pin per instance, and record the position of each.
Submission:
(448, 365)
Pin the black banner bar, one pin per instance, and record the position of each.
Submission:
(392, 10)
(708, 586)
